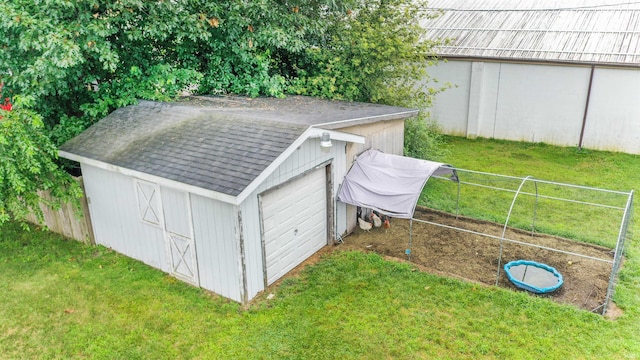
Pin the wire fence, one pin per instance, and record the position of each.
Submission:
(583, 214)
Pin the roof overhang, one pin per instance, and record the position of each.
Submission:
(148, 177)
(310, 133)
(368, 119)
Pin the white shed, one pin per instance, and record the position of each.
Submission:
(564, 72)
(226, 193)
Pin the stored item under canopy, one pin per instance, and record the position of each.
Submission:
(390, 184)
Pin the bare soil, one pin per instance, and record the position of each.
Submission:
(474, 257)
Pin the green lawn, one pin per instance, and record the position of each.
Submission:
(61, 299)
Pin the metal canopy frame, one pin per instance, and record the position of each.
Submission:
(620, 242)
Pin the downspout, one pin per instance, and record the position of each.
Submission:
(586, 107)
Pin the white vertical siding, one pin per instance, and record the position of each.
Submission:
(487, 100)
(116, 219)
(451, 107)
(305, 158)
(217, 249)
(613, 121)
(540, 103)
(175, 206)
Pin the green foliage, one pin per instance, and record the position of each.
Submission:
(375, 53)
(86, 58)
(80, 60)
(423, 140)
(27, 166)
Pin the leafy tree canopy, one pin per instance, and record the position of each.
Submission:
(78, 60)
(27, 165)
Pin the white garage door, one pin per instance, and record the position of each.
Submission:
(294, 222)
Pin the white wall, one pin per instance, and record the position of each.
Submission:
(451, 107)
(116, 220)
(613, 121)
(215, 227)
(305, 158)
(539, 103)
(117, 225)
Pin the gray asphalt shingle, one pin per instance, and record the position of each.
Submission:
(218, 143)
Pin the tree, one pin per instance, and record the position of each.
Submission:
(79, 60)
(82, 59)
(377, 53)
(27, 165)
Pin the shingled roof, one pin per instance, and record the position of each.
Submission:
(221, 144)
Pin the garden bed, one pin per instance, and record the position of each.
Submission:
(474, 257)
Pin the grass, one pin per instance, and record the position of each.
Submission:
(61, 299)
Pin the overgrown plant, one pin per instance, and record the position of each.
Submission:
(82, 59)
(377, 53)
(423, 139)
(27, 166)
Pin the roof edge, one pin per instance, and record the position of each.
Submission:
(229, 199)
(534, 61)
(311, 132)
(351, 122)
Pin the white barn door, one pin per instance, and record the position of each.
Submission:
(179, 235)
(294, 223)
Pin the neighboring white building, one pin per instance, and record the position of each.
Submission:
(564, 72)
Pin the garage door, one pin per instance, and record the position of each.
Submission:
(294, 219)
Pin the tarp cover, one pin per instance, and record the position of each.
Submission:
(389, 184)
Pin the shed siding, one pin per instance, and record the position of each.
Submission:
(307, 157)
(175, 205)
(117, 225)
(217, 250)
(386, 136)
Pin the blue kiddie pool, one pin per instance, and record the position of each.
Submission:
(533, 276)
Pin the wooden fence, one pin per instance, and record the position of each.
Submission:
(66, 221)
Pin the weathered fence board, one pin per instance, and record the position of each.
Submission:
(66, 221)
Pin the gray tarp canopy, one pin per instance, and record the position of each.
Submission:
(389, 184)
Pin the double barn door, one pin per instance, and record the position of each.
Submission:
(170, 210)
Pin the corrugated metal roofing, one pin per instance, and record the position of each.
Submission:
(575, 31)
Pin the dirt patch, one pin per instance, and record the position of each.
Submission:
(474, 257)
